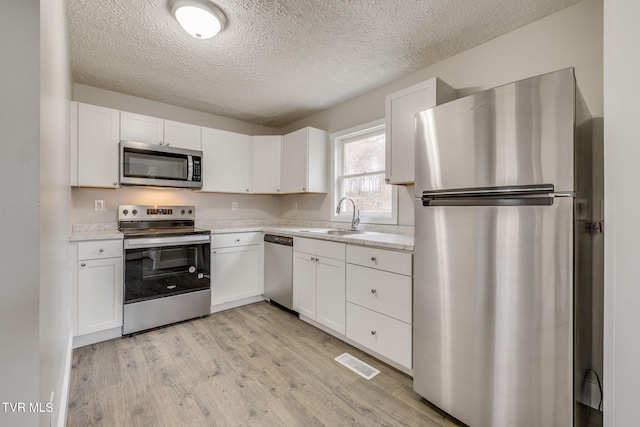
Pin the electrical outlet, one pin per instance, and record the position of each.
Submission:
(295, 206)
(234, 206)
(99, 205)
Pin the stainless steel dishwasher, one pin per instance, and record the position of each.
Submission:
(278, 269)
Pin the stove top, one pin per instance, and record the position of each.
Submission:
(143, 220)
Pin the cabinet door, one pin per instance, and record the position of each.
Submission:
(330, 293)
(266, 160)
(99, 295)
(235, 273)
(304, 284)
(182, 135)
(98, 137)
(226, 161)
(295, 154)
(136, 127)
(401, 108)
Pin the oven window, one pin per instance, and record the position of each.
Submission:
(155, 166)
(160, 272)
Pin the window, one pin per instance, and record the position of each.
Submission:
(359, 167)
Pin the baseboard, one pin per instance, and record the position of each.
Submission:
(109, 334)
(63, 401)
(234, 304)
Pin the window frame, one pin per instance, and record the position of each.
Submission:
(346, 213)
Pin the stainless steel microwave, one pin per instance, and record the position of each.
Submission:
(159, 166)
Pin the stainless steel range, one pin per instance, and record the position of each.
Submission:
(166, 268)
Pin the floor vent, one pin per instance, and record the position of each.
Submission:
(357, 366)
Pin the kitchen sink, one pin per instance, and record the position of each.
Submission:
(337, 232)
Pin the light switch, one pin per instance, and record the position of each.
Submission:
(295, 206)
(234, 206)
(99, 205)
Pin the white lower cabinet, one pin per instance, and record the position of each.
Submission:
(319, 282)
(379, 301)
(100, 286)
(236, 267)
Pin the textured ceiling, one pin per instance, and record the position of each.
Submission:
(278, 61)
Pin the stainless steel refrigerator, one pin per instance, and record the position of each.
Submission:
(502, 286)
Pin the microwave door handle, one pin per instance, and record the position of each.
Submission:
(189, 168)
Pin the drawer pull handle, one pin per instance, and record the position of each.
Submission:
(373, 332)
(83, 265)
(373, 291)
(237, 240)
(100, 250)
(373, 259)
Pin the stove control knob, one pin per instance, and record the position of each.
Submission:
(190, 211)
(135, 212)
(182, 211)
(125, 212)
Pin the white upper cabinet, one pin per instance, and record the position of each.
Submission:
(152, 130)
(401, 108)
(226, 161)
(305, 155)
(182, 135)
(266, 160)
(98, 131)
(136, 127)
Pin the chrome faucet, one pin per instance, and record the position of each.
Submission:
(356, 217)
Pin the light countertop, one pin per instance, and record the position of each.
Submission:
(402, 242)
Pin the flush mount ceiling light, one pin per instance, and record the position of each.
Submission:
(200, 18)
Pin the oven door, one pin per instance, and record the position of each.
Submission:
(160, 267)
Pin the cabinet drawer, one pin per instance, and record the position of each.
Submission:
(389, 337)
(236, 239)
(99, 249)
(320, 248)
(381, 259)
(381, 291)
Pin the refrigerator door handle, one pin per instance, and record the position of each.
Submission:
(491, 191)
(530, 195)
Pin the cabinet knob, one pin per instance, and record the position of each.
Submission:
(160, 142)
(101, 250)
(387, 179)
(373, 332)
(237, 240)
(83, 265)
(247, 190)
(277, 190)
(166, 144)
(373, 259)
(115, 183)
(304, 188)
(373, 291)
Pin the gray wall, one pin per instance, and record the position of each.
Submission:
(622, 175)
(132, 104)
(19, 192)
(34, 188)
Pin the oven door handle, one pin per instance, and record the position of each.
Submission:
(154, 242)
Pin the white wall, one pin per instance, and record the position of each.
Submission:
(55, 208)
(571, 37)
(622, 238)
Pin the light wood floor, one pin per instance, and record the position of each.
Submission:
(251, 366)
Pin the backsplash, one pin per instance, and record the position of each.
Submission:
(237, 223)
